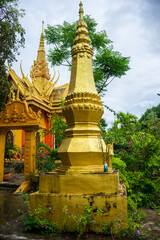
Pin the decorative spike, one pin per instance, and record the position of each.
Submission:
(57, 78)
(9, 66)
(53, 76)
(21, 69)
(81, 11)
(17, 97)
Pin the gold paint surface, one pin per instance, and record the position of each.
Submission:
(2, 152)
(113, 206)
(82, 109)
(80, 183)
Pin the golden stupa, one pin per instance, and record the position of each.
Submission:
(81, 178)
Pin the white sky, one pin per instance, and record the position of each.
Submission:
(132, 25)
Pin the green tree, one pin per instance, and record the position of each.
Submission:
(126, 124)
(58, 126)
(150, 121)
(140, 151)
(4, 92)
(150, 115)
(107, 63)
(11, 38)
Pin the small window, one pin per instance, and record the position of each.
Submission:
(9, 139)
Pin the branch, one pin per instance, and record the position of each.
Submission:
(65, 65)
(110, 109)
(105, 84)
(63, 56)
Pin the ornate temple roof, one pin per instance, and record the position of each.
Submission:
(40, 91)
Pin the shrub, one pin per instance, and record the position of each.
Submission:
(18, 166)
(80, 223)
(45, 158)
(38, 224)
(12, 153)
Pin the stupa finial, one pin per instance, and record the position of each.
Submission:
(43, 27)
(81, 11)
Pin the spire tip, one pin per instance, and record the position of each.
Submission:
(81, 11)
(42, 26)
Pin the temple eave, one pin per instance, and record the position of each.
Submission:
(40, 104)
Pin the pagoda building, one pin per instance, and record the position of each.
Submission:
(41, 94)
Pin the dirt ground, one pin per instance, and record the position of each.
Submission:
(152, 224)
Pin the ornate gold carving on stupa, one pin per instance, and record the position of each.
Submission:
(81, 48)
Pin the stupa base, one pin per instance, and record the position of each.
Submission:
(98, 190)
(113, 206)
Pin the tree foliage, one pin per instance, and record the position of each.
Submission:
(45, 157)
(107, 63)
(11, 39)
(58, 127)
(150, 115)
(139, 149)
(4, 92)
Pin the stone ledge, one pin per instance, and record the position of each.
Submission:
(79, 184)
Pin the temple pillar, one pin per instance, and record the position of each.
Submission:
(2, 153)
(30, 153)
(29, 160)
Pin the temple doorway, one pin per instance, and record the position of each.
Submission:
(19, 116)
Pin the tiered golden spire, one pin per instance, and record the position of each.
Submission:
(82, 73)
(82, 109)
(40, 71)
(82, 33)
(41, 51)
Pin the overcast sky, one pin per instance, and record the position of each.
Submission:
(132, 25)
